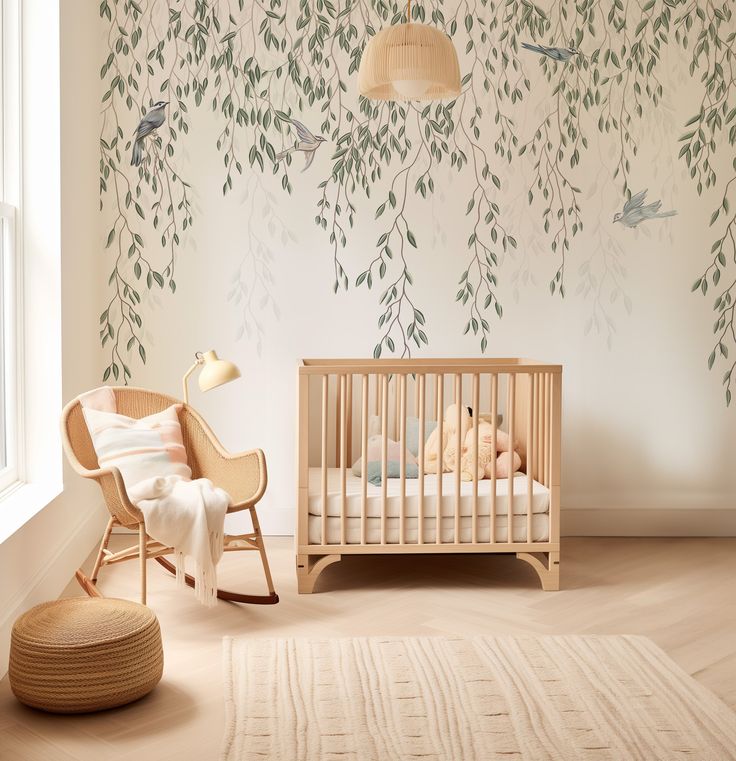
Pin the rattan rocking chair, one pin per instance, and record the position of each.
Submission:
(242, 476)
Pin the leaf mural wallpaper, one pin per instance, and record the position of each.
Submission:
(542, 143)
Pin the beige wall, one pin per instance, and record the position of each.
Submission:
(647, 437)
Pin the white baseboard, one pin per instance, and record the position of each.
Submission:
(53, 576)
(664, 521)
(585, 521)
(275, 521)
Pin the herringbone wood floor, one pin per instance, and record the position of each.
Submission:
(679, 592)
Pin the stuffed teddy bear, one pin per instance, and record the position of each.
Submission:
(486, 454)
(434, 448)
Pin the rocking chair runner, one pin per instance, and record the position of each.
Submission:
(242, 476)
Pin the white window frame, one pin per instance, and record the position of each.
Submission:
(11, 286)
(31, 174)
(10, 474)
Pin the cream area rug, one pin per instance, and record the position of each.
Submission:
(596, 698)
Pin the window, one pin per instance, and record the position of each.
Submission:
(8, 353)
(10, 357)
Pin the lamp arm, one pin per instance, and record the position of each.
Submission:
(186, 378)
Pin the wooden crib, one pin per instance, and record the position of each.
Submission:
(340, 514)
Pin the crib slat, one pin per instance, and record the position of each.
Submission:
(510, 402)
(542, 455)
(384, 454)
(338, 421)
(476, 424)
(397, 403)
(545, 432)
(420, 463)
(458, 451)
(364, 459)
(416, 395)
(440, 392)
(555, 401)
(325, 415)
(530, 455)
(343, 454)
(303, 460)
(542, 416)
(494, 440)
(349, 407)
(538, 428)
(402, 455)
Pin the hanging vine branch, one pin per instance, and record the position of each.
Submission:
(709, 33)
(155, 183)
(280, 77)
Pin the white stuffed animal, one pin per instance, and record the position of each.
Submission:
(434, 448)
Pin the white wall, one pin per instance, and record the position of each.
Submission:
(647, 437)
(38, 560)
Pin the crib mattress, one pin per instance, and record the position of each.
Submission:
(354, 500)
(540, 530)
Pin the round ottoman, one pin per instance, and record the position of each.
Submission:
(85, 654)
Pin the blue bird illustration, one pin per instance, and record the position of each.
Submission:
(563, 55)
(306, 142)
(148, 124)
(635, 211)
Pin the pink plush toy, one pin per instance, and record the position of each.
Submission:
(486, 454)
(504, 465)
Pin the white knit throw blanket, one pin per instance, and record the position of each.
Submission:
(190, 517)
(180, 513)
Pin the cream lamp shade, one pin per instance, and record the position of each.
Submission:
(215, 372)
(409, 62)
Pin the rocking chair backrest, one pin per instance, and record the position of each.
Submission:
(137, 403)
(133, 402)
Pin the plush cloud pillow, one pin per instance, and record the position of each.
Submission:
(393, 470)
(393, 458)
(412, 433)
(146, 448)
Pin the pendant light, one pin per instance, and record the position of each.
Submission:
(409, 62)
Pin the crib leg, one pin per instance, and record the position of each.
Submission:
(547, 566)
(309, 568)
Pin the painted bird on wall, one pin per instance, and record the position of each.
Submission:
(148, 124)
(306, 142)
(635, 211)
(556, 54)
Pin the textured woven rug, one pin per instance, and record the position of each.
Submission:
(455, 699)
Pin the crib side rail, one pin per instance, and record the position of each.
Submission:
(340, 400)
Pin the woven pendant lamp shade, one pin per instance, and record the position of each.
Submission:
(409, 62)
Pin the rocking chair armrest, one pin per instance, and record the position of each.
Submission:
(116, 496)
(243, 475)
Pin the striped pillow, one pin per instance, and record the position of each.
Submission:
(146, 448)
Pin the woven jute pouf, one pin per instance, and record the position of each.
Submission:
(85, 654)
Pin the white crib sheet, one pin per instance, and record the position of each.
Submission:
(540, 530)
(354, 501)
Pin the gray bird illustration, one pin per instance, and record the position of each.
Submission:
(306, 142)
(556, 54)
(635, 211)
(148, 124)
